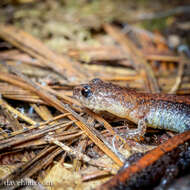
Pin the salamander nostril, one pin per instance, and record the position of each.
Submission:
(76, 92)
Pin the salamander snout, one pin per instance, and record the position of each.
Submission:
(76, 92)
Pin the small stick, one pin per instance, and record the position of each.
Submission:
(16, 112)
(178, 78)
(76, 153)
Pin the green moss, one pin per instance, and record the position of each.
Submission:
(155, 24)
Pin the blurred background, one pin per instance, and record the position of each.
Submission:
(65, 24)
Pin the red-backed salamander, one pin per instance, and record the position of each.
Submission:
(145, 109)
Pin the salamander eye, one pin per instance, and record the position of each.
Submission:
(86, 92)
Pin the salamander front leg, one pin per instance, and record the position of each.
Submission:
(137, 133)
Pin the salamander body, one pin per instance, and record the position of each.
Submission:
(157, 110)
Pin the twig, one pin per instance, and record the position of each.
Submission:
(16, 112)
(8, 143)
(167, 13)
(76, 153)
(178, 78)
(158, 15)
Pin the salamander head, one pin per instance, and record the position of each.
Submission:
(91, 95)
(95, 95)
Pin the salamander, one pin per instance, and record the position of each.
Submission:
(160, 111)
